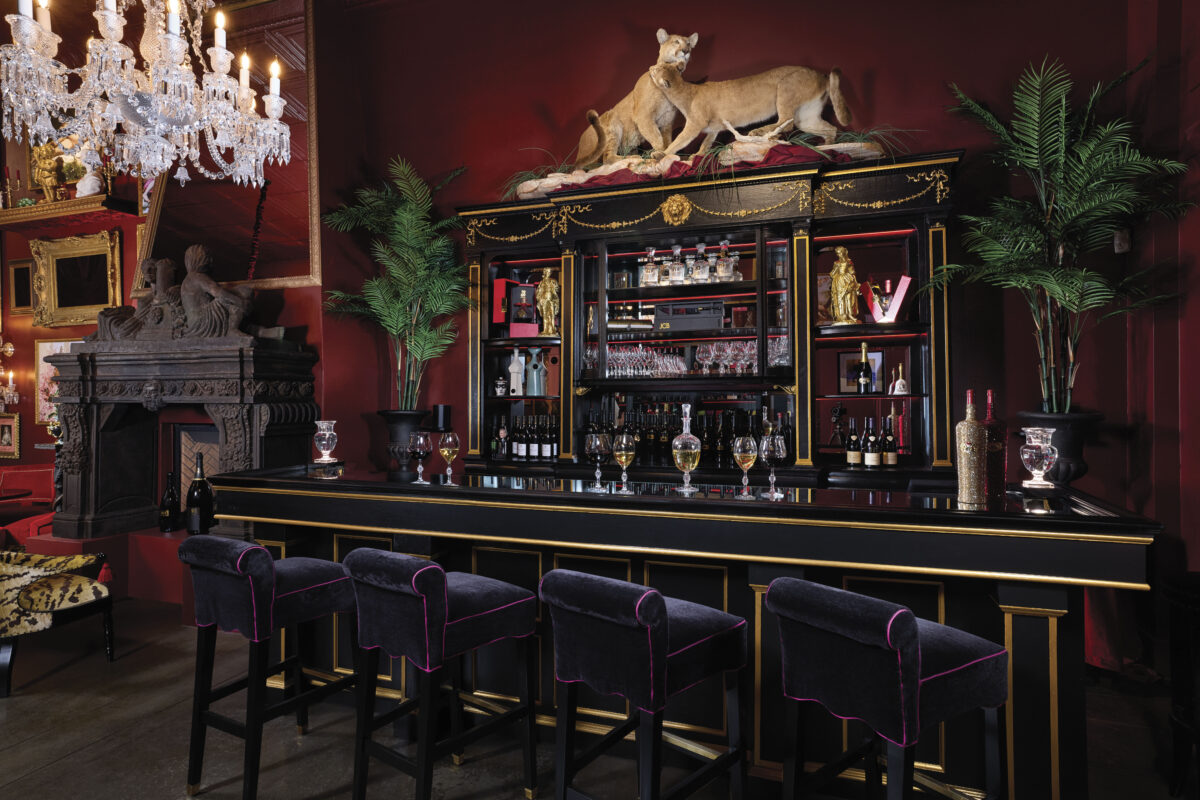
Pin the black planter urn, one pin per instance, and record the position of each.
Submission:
(400, 424)
(1071, 432)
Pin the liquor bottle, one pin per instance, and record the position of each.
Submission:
(168, 507)
(971, 441)
(786, 431)
(891, 455)
(863, 375)
(664, 437)
(706, 442)
(199, 512)
(854, 455)
(502, 439)
(685, 451)
(871, 451)
(554, 437)
(547, 440)
(901, 385)
(997, 453)
(720, 445)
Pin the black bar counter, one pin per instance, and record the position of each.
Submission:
(1014, 574)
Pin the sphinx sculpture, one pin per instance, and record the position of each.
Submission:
(196, 308)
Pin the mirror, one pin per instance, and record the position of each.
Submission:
(75, 277)
(20, 286)
(224, 217)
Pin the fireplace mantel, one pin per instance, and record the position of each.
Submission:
(258, 392)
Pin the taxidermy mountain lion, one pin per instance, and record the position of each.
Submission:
(642, 115)
(797, 95)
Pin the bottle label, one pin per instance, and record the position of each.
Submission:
(547, 451)
(870, 459)
(854, 457)
(519, 450)
(891, 459)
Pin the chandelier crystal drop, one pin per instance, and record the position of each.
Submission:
(141, 121)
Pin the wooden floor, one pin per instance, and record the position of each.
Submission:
(77, 726)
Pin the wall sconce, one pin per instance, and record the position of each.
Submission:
(8, 391)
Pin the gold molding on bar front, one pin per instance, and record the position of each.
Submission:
(757, 559)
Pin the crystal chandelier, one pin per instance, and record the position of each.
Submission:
(141, 120)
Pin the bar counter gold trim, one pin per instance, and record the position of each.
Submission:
(1051, 615)
(629, 512)
(757, 559)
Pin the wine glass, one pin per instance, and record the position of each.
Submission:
(745, 452)
(325, 440)
(597, 448)
(419, 447)
(624, 448)
(448, 448)
(1038, 456)
(772, 450)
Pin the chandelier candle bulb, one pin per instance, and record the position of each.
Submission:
(244, 73)
(219, 31)
(110, 5)
(173, 17)
(25, 8)
(43, 15)
(275, 78)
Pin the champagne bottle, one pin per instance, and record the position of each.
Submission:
(199, 501)
(997, 452)
(854, 455)
(971, 440)
(871, 454)
(863, 375)
(891, 455)
(168, 507)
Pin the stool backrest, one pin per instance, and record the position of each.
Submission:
(234, 584)
(858, 656)
(401, 605)
(609, 634)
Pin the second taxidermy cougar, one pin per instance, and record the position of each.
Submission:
(642, 115)
(796, 94)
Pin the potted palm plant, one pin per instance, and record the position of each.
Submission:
(421, 284)
(1084, 181)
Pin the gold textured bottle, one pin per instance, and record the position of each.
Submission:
(971, 440)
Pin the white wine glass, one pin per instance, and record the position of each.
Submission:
(745, 453)
(624, 448)
(772, 450)
(420, 446)
(596, 448)
(448, 449)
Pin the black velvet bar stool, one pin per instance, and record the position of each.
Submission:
(411, 607)
(868, 659)
(624, 639)
(240, 587)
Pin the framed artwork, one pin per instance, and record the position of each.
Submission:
(44, 372)
(10, 435)
(20, 286)
(75, 277)
(823, 316)
(848, 362)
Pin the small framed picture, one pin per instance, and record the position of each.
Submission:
(824, 315)
(848, 362)
(20, 286)
(10, 435)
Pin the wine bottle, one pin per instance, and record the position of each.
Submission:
(720, 445)
(518, 440)
(199, 501)
(706, 442)
(863, 375)
(502, 439)
(554, 437)
(168, 507)
(997, 453)
(547, 440)
(664, 437)
(891, 455)
(854, 455)
(787, 432)
(871, 455)
(971, 440)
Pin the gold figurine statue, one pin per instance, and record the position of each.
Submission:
(547, 303)
(45, 170)
(843, 289)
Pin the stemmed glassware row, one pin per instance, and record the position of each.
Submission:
(420, 446)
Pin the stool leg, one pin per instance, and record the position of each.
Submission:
(456, 707)
(649, 744)
(564, 739)
(206, 649)
(295, 676)
(528, 698)
(427, 710)
(109, 651)
(368, 676)
(899, 772)
(793, 760)
(992, 773)
(256, 706)
(873, 785)
(737, 731)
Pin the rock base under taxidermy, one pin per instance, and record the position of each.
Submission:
(747, 150)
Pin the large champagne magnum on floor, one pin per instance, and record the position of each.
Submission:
(199, 501)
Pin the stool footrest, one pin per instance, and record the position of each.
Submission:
(233, 687)
(405, 708)
(606, 742)
(307, 697)
(703, 775)
(224, 724)
(831, 770)
(456, 743)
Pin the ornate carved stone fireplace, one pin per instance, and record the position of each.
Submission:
(258, 392)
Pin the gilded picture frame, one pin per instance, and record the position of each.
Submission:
(74, 278)
(43, 372)
(10, 435)
(20, 286)
(848, 362)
